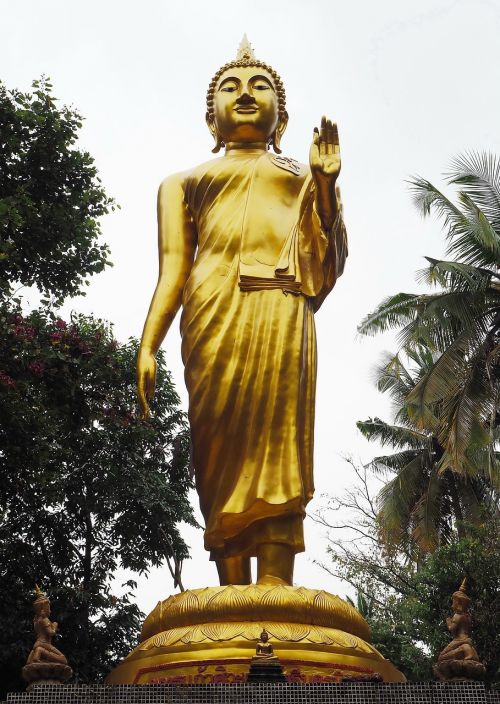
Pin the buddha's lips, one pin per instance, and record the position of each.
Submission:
(246, 109)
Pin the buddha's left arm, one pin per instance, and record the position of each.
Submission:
(324, 160)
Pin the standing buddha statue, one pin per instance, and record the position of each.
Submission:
(250, 244)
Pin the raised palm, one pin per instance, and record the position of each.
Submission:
(324, 155)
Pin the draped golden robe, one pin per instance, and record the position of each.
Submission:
(263, 266)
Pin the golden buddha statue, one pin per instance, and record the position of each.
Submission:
(264, 648)
(250, 244)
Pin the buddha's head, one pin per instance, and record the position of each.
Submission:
(264, 636)
(246, 102)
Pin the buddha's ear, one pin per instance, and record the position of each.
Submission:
(278, 132)
(215, 133)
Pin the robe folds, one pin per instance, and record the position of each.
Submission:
(262, 267)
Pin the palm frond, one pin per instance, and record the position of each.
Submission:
(395, 436)
(473, 498)
(446, 316)
(392, 376)
(397, 498)
(444, 378)
(455, 275)
(480, 230)
(465, 412)
(394, 463)
(392, 312)
(479, 172)
(470, 236)
(427, 518)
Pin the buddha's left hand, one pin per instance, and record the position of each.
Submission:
(324, 155)
(324, 160)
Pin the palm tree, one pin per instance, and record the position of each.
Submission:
(460, 323)
(423, 503)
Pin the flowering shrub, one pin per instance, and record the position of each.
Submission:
(86, 486)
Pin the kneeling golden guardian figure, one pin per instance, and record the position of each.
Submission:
(250, 244)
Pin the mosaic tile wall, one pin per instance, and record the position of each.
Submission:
(324, 693)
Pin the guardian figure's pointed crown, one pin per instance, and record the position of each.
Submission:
(462, 593)
(246, 57)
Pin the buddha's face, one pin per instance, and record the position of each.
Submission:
(245, 105)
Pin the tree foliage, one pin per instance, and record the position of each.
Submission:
(422, 504)
(87, 488)
(406, 600)
(50, 196)
(460, 323)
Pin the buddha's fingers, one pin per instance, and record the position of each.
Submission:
(336, 144)
(323, 137)
(143, 403)
(330, 136)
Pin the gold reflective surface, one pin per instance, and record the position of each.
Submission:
(254, 602)
(210, 635)
(250, 244)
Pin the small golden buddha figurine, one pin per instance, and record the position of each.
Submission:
(46, 664)
(250, 244)
(265, 666)
(459, 659)
(264, 648)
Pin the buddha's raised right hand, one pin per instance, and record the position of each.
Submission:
(146, 379)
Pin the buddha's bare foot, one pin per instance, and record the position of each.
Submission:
(271, 579)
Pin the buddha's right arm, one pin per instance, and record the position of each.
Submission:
(176, 249)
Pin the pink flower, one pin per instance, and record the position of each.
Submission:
(25, 331)
(38, 368)
(60, 324)
(56, 338)
(6, 380)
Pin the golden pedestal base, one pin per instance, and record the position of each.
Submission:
(209, 636)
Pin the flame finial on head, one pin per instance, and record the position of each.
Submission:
(245, 52)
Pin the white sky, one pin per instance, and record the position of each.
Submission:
(411, 83)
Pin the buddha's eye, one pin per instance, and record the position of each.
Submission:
(261, 86)
(229, 88)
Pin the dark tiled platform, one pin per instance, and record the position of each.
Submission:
(324, 693)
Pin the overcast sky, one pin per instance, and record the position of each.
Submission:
(411, 83)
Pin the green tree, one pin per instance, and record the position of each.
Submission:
(392, 637)
(406, 600)
(421, 505)
(460, 323)
(50, 197)
(87, 488)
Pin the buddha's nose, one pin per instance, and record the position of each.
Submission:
(245, 99)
